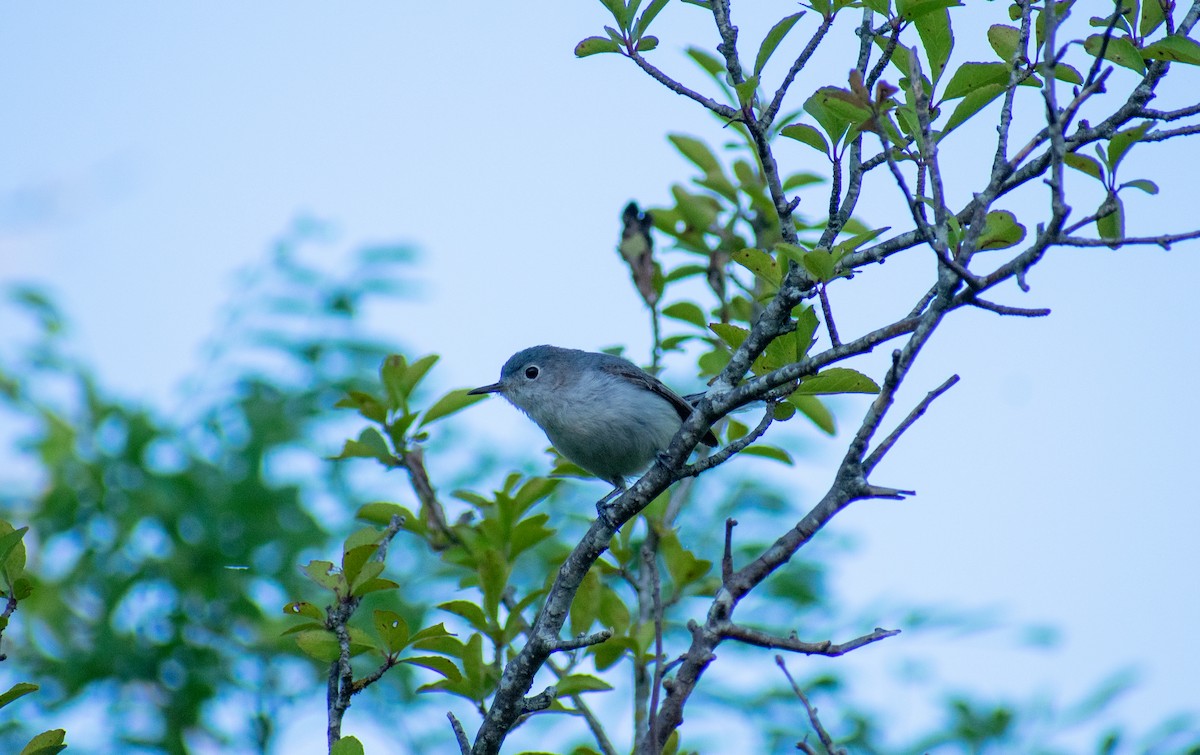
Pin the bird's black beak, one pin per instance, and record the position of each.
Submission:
(493, 388)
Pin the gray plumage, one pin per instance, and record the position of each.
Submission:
(602, 412)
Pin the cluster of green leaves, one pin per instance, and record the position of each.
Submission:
(731, 224)
(357, 576)
(843, 113)
(17, 586)
(161, 533)
(391, 414)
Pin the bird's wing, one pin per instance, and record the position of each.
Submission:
(633, 374)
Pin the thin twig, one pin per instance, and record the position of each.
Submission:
(725, 111)
(826, 648)
(881, 450)
(460, 735)
(822, 734)
(1164, 241)
(768, 115)
(828, 312)
(727, 558)
(1004, 309)
(728, 451)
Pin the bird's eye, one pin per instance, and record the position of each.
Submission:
(531, 372)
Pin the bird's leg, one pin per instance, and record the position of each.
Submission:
(605, 504)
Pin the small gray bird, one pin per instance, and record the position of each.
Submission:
(602, 412)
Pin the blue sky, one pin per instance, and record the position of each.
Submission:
(152, 150)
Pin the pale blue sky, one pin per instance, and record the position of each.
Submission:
(151, 150)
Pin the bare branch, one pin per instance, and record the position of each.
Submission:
(768, 115)
(828, 312)
(1004, 309)
(464, 745)
(725, 111)
(538, 702)
(826, 647)
(1164, 240)
(918, 411)
(582, 641)
(724, 454)
(727, 558)
(822, 734)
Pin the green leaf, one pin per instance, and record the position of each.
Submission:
(322, 644)
(367, 586)
(392, 629)
(367, 579)
(367, 405)
(322, 573)
(1152, 17)
(443, 666)
(493, 570)
(381, 513)
(1120, 143)
(1144, 184)
(745, 90)
(648, 16)
(687, 312)
(46, 743)
(971, 104)
(452, 402)
(911, 10)
(647, 43)
(347, 746)
(585, 608)
(1119, 50)
(623, 11)
(425, 638)
(18, 690)
(710, 63)
(698, 211)
(769, 452)
(831, 123)
(730, 334)
(763, 265)
(595, 46)
(1001, 230)
(1084, 164)
(573, 684)
(527, 533)
(857, 240)
(817, 412)
(772, 40)
(806, 326)
(797, 180)
(1004, 40)
(1112, 225)
(836, 380)
(354, 561)
(1069, 74)
(1175, 48)
(969, 77)
(712, 362)
(416, 372)
(12, 550)
(391, 374)
(682, 564)
(696, 151)
(303, 608)
(370, 445)
(806, 134)
(933, 26)
(820, 264)
(469, 611)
